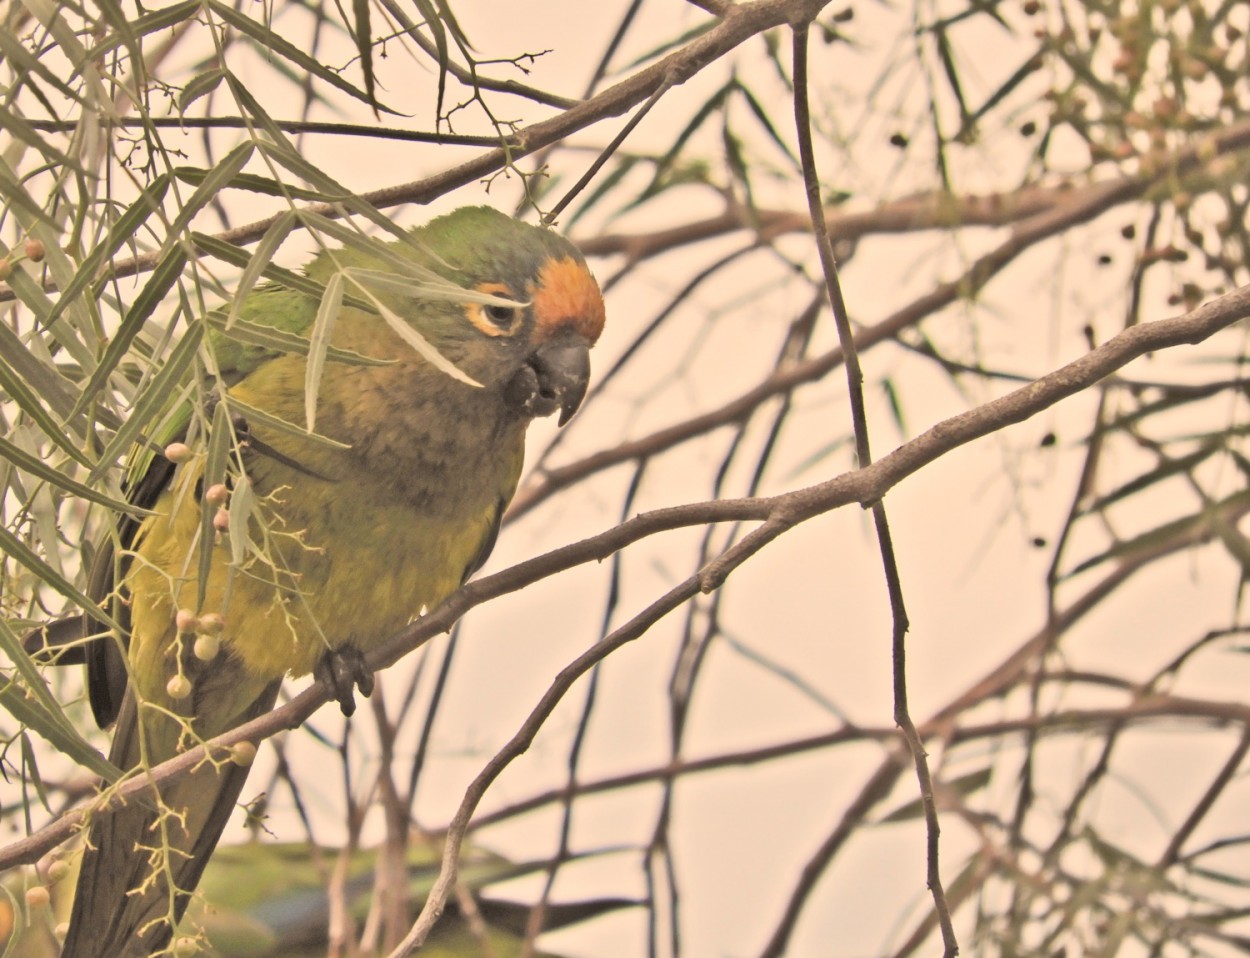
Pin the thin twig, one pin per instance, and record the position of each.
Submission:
(863, 486)
(855, 389)
(745, 21)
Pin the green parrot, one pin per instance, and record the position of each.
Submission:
(326, 539)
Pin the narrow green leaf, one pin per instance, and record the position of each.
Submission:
(448, 17)
(281, 341)
(432, 287)
(152, 402)
(1027, 69)
(381, 252)
(435, 24)
(739, 168)
(261, 257)
(269, 40)
(965, 785)
(896, 405)
(668, 45)
(30, 770)
(280, 149)
(45, 381)
(15, 196)
(1162, 535)
(221, 442)
(170, 424)
(710, 106)
(318, 340)
(255, 415)
(16, 126)
(299, 282)
(254, 111)
(36, 690)
(773, 46)
(238, 256)
(153, 293)
(154, 22)
(977, 8)
(122, 232)
(364, 45)
(947, 57)
(766, 122)
(290, 158)
(242, 502)
(1166, 469)
(31, 404)
(216, 180)
(31, 295)
(22, 62)
(200, 85)
(819, 456)
(40, 468)
(33, 705)
(418, 342)
(65, 34)
(83, 315)
(123, 31)
(16, 549)
(255, 183)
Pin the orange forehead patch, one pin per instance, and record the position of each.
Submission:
(566, 295)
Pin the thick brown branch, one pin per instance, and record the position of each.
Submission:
(863, 486)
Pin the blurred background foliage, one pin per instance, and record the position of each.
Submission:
(1007, 185)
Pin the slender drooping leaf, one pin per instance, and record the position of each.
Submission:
(123, 231)
(318, 341)
(153, 401)
(272, 42)
(261, 257)
(162, 280)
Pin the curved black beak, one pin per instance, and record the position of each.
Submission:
(555, 377)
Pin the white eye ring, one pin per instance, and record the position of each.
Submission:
(495, 319)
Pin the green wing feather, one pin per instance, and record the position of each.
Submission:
(270, 324)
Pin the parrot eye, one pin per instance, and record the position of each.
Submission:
(494, 319)
(501, 316)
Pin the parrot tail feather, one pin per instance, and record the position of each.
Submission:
(143, 861)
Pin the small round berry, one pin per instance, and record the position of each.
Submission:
(179, 687)
(206, 647)
(37, 897)
(243, 753)
(210, 623)
(57, 870)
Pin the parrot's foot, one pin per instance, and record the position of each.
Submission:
(343, 671)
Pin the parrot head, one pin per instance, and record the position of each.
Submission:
(541, 342)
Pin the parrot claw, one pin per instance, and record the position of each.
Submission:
(343, 671)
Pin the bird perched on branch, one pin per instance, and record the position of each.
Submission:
(365, 434)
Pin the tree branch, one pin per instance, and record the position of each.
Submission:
(863, 486)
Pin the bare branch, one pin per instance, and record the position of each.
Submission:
(863, 486)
